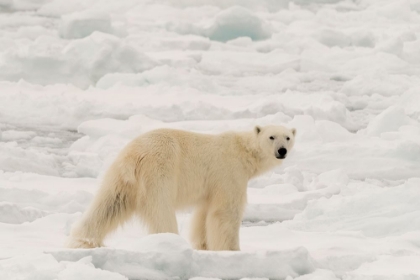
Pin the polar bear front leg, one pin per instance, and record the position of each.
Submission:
(224, 220)
(198, 227)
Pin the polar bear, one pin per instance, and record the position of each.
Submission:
(165, 170)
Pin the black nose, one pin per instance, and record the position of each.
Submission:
(282, 152)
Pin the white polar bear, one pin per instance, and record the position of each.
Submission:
(165, 170)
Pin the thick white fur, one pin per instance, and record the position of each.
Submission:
(165, 170)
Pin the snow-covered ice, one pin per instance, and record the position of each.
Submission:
(79, 79)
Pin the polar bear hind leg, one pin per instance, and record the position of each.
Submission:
(198, 227)
(156, 206)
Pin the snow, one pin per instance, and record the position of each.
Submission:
(45, 266)
(80, 79)
(47, 60)
(82, 24)
(237, 22)
(390, 119)
(168, 255)
(388, 267)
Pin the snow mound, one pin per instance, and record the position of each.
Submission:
(281, 202)
(13, 214)
(363, 38)
(392, 45)
(101, 54)
(246, 63)
(410, 101)
(394, 211)
(82, 62)
(388, 267)
(332, 132)
(390, 119)
(409, 51)
(332, 38)
(319, 274)
(263, 5)
(237, 22)
(395, 10)
(169, 255)
(335, 38)
(28, 205)
(374, 84)
(14, 158)
(12, 135)
(58, 8)
(23, 5)
(268, 213)
(186, 42)
(82, 24)
(158, 75)
(45, 266)
(270, 264)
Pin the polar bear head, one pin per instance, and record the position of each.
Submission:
(275, 141)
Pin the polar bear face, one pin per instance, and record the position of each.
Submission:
(275, 141)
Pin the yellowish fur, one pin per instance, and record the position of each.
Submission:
(165, 170)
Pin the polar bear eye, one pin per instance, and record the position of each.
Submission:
(287, 138)
(271, 137)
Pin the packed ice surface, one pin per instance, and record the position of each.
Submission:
(80, 79)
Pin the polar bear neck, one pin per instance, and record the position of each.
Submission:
(252, 156)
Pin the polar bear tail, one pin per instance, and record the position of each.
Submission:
(112, 206)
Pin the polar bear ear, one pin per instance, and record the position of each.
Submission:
(257, 129)
(293, 131)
